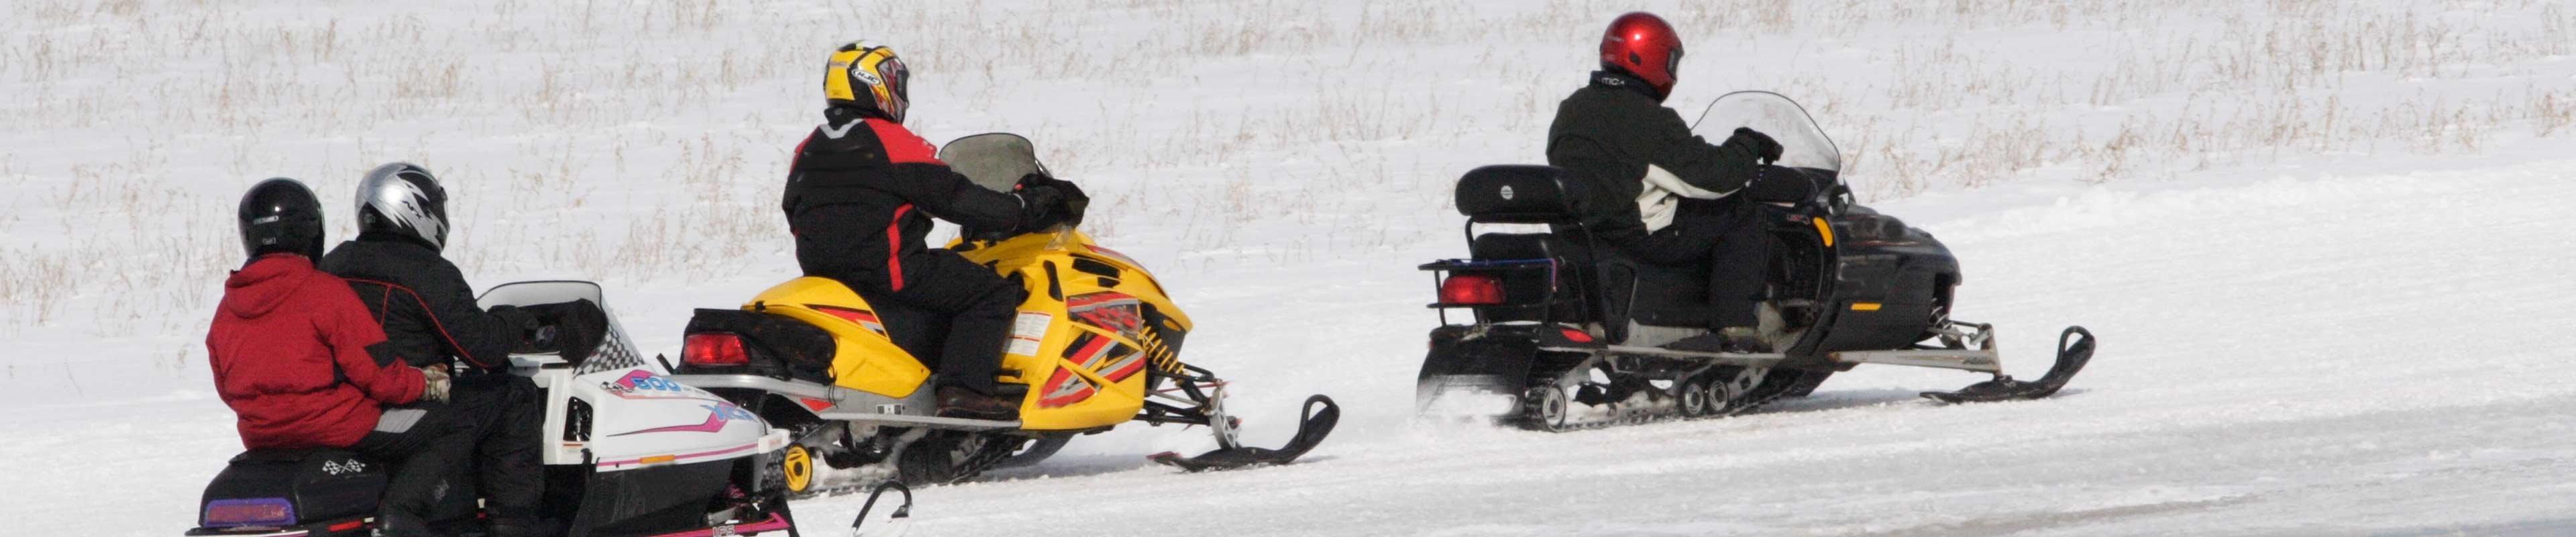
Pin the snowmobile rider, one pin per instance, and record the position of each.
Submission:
(1661, 194)
(303, 365)
(430, 318)
(860, 196)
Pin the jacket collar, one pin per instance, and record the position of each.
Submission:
(1619, 80)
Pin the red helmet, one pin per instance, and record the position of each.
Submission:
(1641, 44)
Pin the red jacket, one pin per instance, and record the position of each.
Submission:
(299, 359)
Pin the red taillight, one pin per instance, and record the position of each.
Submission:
(714, 350)
(249, 512)
(1577, 336)
(1471, 289)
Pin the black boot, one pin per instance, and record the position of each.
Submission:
(390, 523)
(959, 402)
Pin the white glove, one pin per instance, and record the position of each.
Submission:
(434, 384)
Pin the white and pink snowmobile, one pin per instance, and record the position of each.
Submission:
(628, 452)
(1569, 333)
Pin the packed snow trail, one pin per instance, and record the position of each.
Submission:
(2337, 355)
(2332, 355)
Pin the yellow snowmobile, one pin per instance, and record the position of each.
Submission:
(1095, 345)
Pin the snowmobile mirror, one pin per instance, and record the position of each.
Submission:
(994, 161)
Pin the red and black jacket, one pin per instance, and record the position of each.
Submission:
(299, 360)
(861, 195)
(428, 312)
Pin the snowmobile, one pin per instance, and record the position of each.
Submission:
(628, 452)
(1096, 344)
(1570, 333)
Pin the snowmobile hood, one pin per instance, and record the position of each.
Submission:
(259, 288)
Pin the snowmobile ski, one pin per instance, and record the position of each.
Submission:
(2074, 349)
(1310, 431)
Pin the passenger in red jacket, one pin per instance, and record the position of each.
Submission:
(295, 354)
(303, 364)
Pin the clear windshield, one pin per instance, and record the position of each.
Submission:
(992, 160)
(1802, 144)
(997, 161)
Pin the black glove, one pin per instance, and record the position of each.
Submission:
(1037, 206)
(579, 327)
(1075, 202)
(1048, 201)
(1780, 185)
(1751, 144)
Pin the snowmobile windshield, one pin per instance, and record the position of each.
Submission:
(992, 160)
(1802, 144)
(997, 161)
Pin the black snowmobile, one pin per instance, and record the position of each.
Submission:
(1570, 333)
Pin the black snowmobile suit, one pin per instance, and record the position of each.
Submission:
(430, 318)
(429, 312)
(860, 198)
(1606, 134)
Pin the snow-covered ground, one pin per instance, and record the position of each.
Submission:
(2321, 241)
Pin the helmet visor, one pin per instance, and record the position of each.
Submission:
(1673, 63)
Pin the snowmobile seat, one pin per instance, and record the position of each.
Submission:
(1656, 295)
(1557, 265)
(1618, 288)
(309, 484)
(921, 332)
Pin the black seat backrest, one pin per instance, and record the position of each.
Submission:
(1515, 194)
(1532, 194)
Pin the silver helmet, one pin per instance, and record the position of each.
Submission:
(403, 199)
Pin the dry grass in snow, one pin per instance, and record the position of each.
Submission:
(641, 143)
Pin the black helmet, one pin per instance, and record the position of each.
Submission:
(403, 199)
(280, 215)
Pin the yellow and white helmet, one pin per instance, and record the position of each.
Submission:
(861, 64)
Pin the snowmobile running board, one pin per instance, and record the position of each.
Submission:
(847, 404)
(1719, 358)
(1311, 430)
(934, 422)
(1983, 360)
